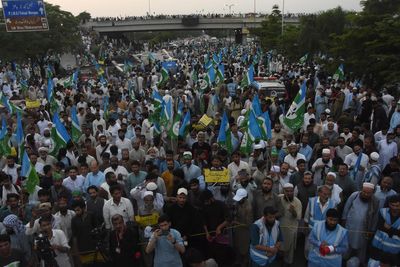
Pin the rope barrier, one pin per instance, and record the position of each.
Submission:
(243, 225)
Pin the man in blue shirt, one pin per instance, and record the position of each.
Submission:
(95, 177)
(167, 244)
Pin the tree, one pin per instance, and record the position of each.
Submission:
(371, 46)
(84, 16)
(63, 36)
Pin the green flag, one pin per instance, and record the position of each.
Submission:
(164, 77)
(303, 59)
(28, 171)
(294, 118)
(339, 74)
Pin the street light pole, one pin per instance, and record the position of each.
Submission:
(230, 8)
(254, 8)
(149, 8)
(283, 14)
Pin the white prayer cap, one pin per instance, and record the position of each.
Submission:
(275, 168)
(151, 186)
(43, 148)
(240, 194)
(243, 112)
(288, 185)
(369, 185)
(292, 144)
(374, 156)
(327, 111)
(257, 146)
(326, 151)
(148, 193)
(331, 174)
(182, 191)
(187, 154)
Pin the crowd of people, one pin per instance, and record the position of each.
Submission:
(200, 15)
(126, 193)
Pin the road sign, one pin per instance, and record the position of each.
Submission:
(25, 15)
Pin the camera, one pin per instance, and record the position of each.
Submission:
(44, 250)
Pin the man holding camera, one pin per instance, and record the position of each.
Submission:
(167, 244)
(58, 243)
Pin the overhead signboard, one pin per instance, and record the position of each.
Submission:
(25, 15)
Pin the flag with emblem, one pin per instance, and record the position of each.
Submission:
(210, 77)
(294, 118)
(219, 79)
(76, 131)
(303, 59)
(29, 172)
(5, 148)
(173, 132)
(248, 77)
(166, 112)
(225, 135)
(339, 74)
(10, 106)
(20, 137)
(251, 134)
(184, 129)
(164, 77)
(59, 134)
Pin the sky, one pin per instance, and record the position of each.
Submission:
(99, 8)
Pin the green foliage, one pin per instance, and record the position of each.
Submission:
(367, 43)
(63, 36)
(84, 16)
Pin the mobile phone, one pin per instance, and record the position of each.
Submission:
(165, 232)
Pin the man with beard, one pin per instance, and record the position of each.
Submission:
(293, 157)
(11, 169)
(242, 218)
(181, 214)
(102, 148)
(64, 216)
(7, 187)
(357, 162)
(277, 133)
(123, 142)
(387, 149)
(190, 170)
(305, 190)
(328, 242)
(342, 150)
(82, 225)
(343, 180)
(265, 197)
(359, 217)
(386, 244)
(265, 239)
(236, 165)
(322, 166)
(290, 218)
(243, 180)
(384, 191)
(168, 178)
(94, 203)
(45, 158)
(297, 176)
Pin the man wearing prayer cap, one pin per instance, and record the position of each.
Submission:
(373, 172)
(291, 216)
(328, 242)
(322, 166)
(293, 156)
(359, 216)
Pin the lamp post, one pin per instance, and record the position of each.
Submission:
(283, 14)
(230, 8)
(149, 8)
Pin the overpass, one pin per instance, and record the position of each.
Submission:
(180, 24)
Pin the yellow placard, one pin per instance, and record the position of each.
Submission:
(32, 104)
(212, 176)
(205, 120)
(147, 220)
